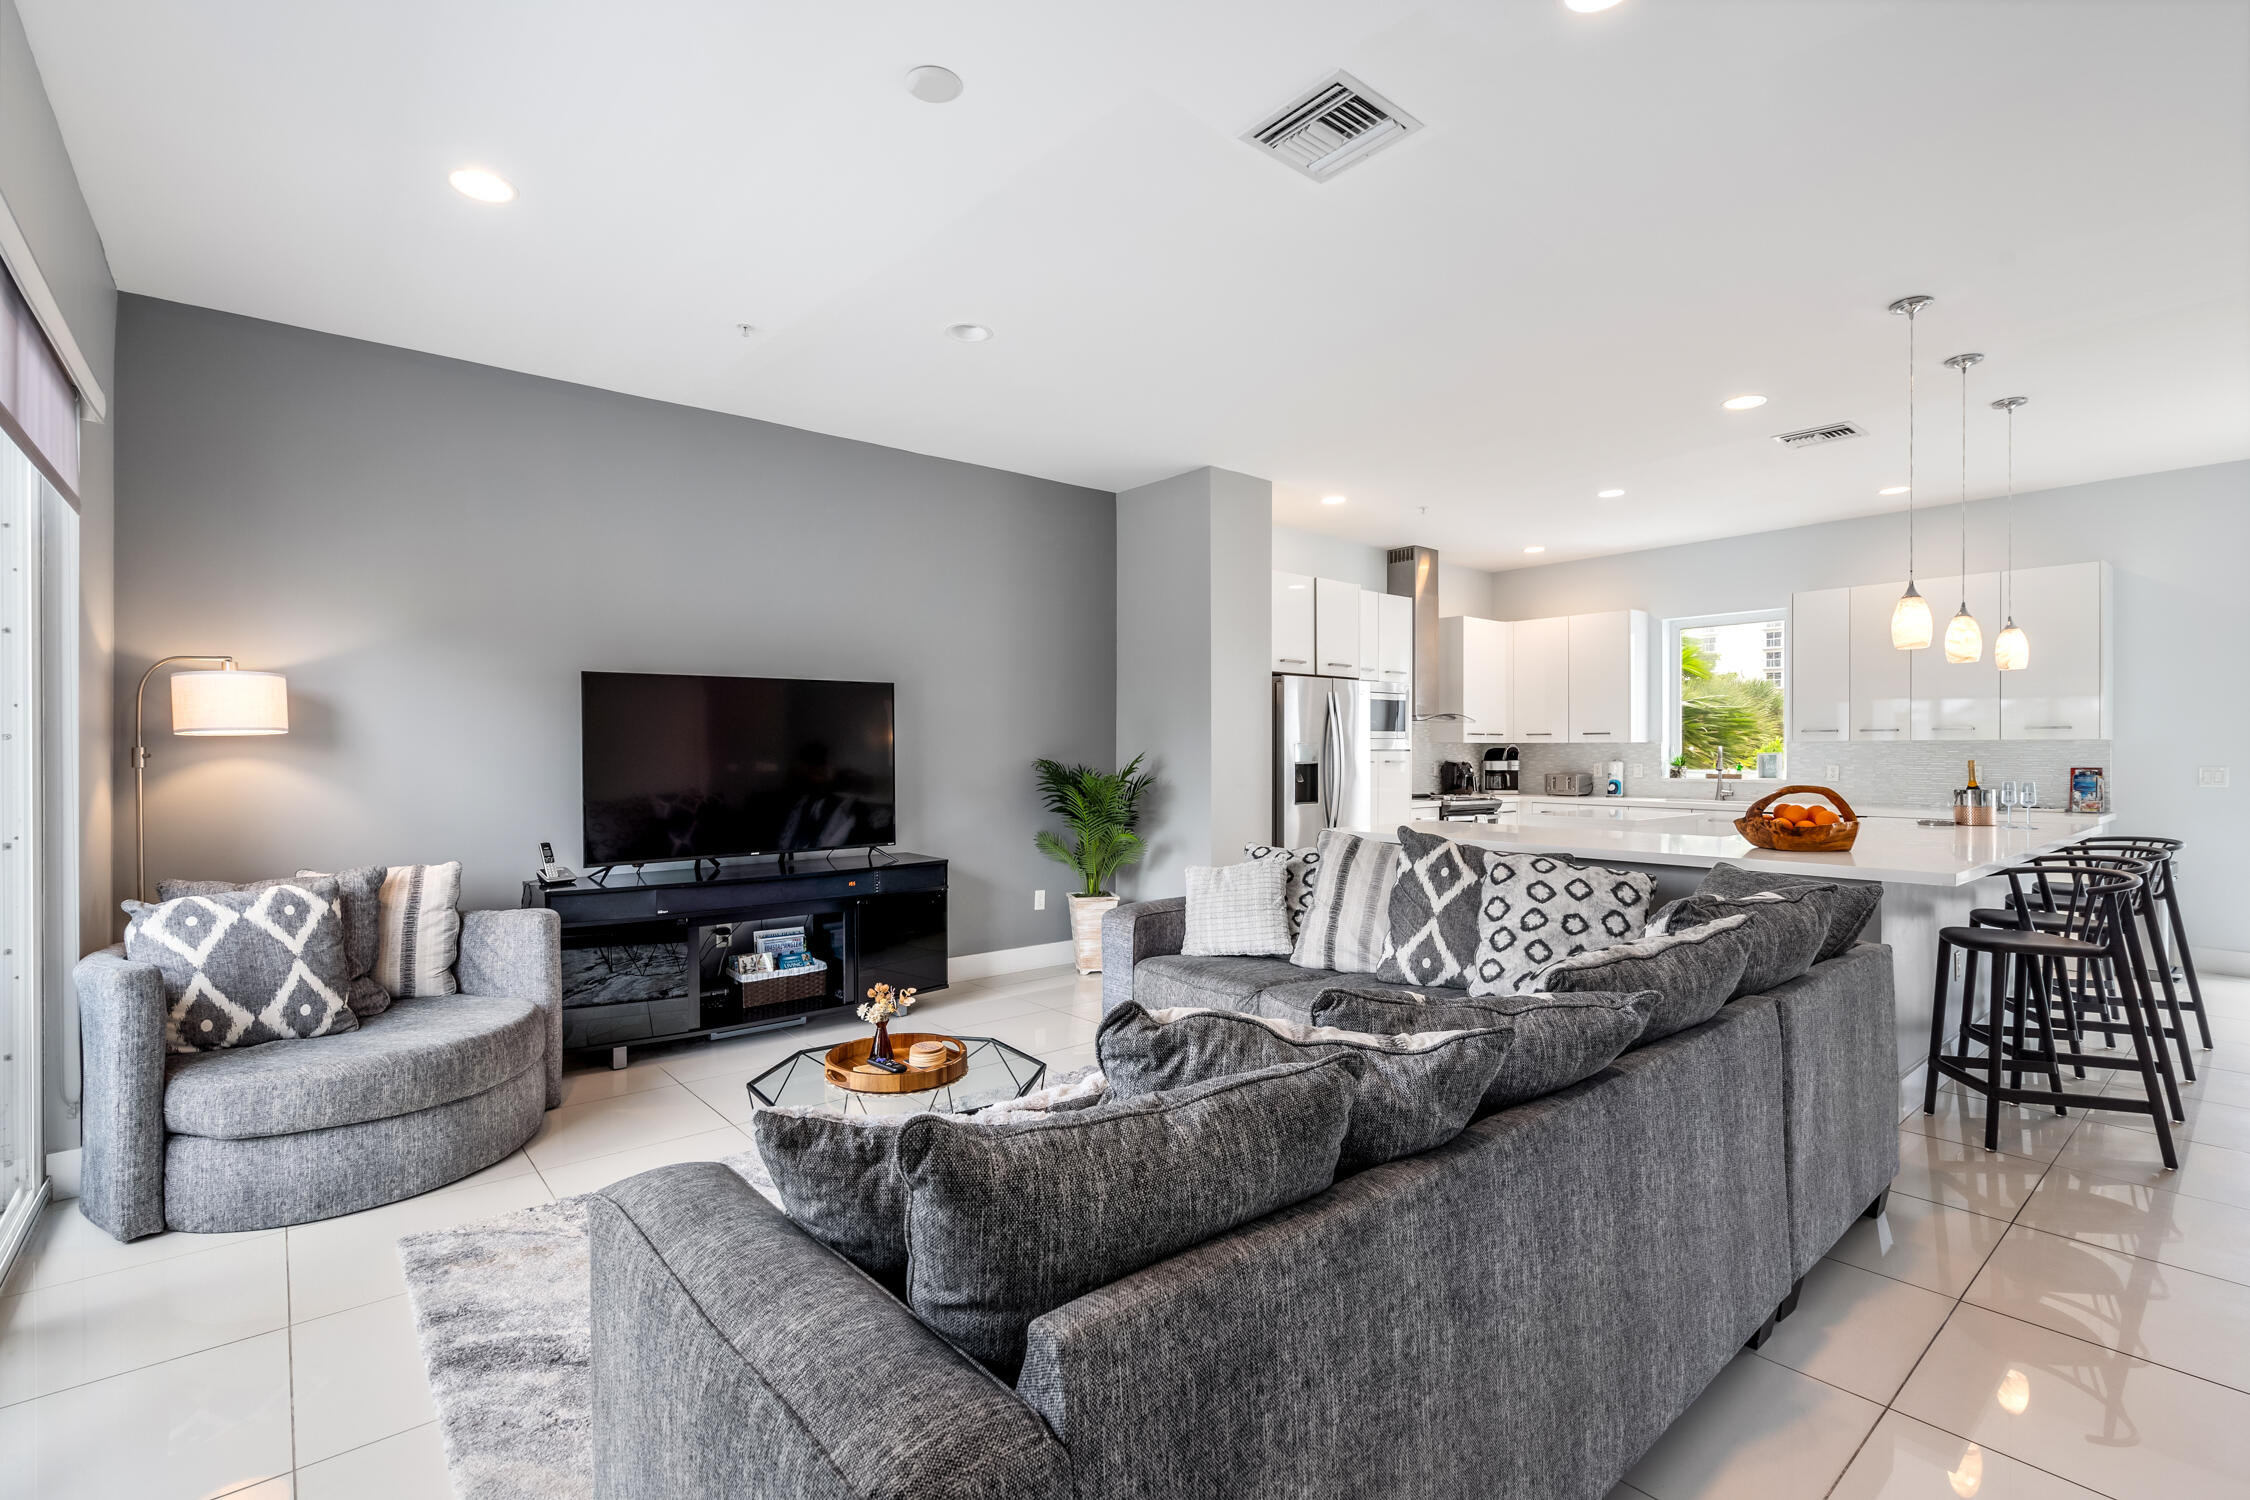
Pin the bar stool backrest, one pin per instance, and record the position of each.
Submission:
(2093, 899)
(2157, 851)
(2054, 873)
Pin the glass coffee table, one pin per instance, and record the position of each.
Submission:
(997, 1072)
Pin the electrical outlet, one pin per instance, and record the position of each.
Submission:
(1038, 900)
(1835, 773)
(1956, 963)
(1633, 772)
(2211, 776)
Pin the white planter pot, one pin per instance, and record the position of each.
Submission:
(1086, 913)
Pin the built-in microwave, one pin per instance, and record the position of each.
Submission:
(1390, 726)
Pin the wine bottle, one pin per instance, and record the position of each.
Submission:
(1972, 775)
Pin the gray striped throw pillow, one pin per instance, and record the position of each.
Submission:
(418, 934)
(1348, 926)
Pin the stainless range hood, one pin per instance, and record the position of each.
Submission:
(1413, 574)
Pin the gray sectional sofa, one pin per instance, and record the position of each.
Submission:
(1515, 1315)
(421, 1095)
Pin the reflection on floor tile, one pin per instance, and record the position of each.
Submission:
(356, 1377)
(1857, 1330)
(2115, 1424)
(1758, 1432)
(405, 1466)
(1963, 1176)
(600, 1171)
(2110, 1152)
(2189, 1321)
(2033, 1133)
(346, 1262)
(1908, 1460)
(68, 1246)
(2124, 1215)
(578, 1131)
(1927, 1244)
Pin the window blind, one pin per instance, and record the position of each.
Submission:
(38, 404)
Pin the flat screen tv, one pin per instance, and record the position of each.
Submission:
(722, 767)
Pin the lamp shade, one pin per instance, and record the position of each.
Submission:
(230, 702)
(2012, 651)
(1910, 621)
(1964, 638)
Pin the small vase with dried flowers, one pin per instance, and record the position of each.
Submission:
(883, 1002)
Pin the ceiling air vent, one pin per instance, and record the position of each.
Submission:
(1338, 122)
(1813, 437)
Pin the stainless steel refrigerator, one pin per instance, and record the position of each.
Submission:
(1323, 757)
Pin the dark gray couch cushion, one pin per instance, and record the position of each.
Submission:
(244, 968)
(1007, 1222)
(417, 1054)
(1559, 1039)
(1850, 908)
(358, 890)
(1172, 979)
(1415, 1091)
(1434, 902)
(1693, 972)
(1782, 939)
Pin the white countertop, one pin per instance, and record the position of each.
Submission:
(1895, 849)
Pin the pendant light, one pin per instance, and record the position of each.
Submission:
(1910, 619)
(1964, 638)
(2011, 649)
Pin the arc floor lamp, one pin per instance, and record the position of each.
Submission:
(224, 701)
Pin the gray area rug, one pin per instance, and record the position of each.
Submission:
(501, 1309)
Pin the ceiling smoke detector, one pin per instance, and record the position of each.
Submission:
(1813, 437)
(1336, 123)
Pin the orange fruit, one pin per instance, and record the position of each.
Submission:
(1789, 812)
(1823, 816)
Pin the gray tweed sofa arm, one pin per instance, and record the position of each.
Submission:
(734, 1355)
(517, 955)
(121, 1033)
(1130, 933)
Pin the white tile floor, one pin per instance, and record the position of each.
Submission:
(2058, 1321)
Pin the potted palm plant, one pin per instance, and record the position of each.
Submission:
(1102, 814)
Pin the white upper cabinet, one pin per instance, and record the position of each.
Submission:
(1476, 670)
(1606, 669)
(1958, 701)
(1820, 666)
(1882, 683)
(1394, 653)
(2064, 694)
(1292, 622)
(1540, 706)
(1370, 635)
(1335, 628)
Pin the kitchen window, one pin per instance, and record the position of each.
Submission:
(1728, 692)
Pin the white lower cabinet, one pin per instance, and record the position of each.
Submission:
(1394, 791)
(1958, 700)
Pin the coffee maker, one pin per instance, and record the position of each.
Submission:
(1503, 769)
(1455, 777)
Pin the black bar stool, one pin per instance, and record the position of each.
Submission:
(2164, 890)
(2090, 912)
(2084, 992)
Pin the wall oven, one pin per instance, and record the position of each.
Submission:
(1390, 726)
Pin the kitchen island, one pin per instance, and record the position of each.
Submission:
(1931, 877)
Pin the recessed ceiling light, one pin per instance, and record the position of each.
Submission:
(1588, 7)
(1896, 489)
(1743, 403)
(485, 187)
(1609, 495)
(1332, 499)
(932, 84)
(1534, 549)
(970, 333)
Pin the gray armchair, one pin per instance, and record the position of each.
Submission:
(256, 1137)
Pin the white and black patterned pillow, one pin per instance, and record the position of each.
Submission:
(360, 892)
(244, 967)
(419, 929)
(1304, 873)
(1347, 927)
(1435, 897)
(1537, 908)
(1236, 911)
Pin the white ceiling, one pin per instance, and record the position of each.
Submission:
(1609, 224)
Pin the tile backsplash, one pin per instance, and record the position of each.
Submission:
(1914, 774)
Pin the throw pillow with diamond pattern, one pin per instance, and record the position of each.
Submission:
(1434, 903)
(1537, 908)
(245, 967)
(1304, 874)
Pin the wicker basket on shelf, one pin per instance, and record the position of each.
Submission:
(1765, 830)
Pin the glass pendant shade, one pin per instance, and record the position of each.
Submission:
(1964, 638)
(1910, 621)
(2011, 651)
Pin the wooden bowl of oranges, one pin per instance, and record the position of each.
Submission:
(1799, 828)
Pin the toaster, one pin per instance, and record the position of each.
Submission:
(1570, 783)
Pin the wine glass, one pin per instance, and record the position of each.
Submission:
(2007, 804)
(2029, 792)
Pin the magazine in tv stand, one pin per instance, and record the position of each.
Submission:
(642, 963)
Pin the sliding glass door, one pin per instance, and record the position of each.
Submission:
(23, 493)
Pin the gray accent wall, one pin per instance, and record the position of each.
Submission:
(1194, 667)
(433, 550)
(2178, 543)
(40, 188)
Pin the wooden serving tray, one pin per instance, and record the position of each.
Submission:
(1762, 831)
(845, 1066)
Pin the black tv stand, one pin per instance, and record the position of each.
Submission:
(644, 961)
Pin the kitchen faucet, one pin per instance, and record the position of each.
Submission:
(1719, 775)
